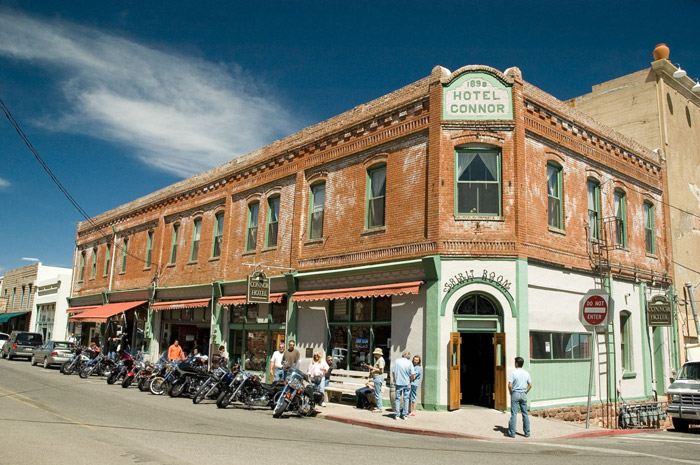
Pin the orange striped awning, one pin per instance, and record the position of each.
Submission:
(358, 292)
(102, 313)
(177, 304)
(241, 299)
(74, 310)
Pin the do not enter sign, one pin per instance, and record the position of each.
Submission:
(596, 308)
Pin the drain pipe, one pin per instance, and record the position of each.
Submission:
(689, 287)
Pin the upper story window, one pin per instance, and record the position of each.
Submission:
(376, 194)
(316, 207)
(149, 249)
(478, 181)
(555, 209)
(125, 251)
(108, 258)
(594, 208)
(273, 211)
(173, 242)
(218, 234)
(620, 218)
(93, 268)
(81, 274)
(649, 228)
(29, 295)
(196, 233)
(252, 227)
(21, 299)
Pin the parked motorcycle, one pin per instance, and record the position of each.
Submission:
(160, 383)
(75, 363)
(229, 384)
(149, 371)
(251, 391)
(297, 397)
(190, 375)
(100, 365)
(211, 386)
(132, 373)
(122, 368)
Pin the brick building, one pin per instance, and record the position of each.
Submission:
(461, 217)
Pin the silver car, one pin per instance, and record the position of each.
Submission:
(21, 344)
(52, 353)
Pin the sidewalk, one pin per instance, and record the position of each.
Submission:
(471, 423)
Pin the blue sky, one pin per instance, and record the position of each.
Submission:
(123, 98)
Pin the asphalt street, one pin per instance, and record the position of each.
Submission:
(47, 417)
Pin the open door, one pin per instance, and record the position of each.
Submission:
(454, 394)
(499, 360)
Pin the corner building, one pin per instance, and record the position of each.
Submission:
(461, 217)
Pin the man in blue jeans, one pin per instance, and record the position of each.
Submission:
(403, 375)
(519, 384)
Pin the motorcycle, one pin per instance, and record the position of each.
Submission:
(75, 364)
(229, 383)
(211, 386)
(100, 365)
(251, 391)
(132, 373)
(149, 371)
(160, 384)
(122, 368)
(190, 375)
(297, 397)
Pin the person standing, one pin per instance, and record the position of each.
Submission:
(276, 365)
(519, 384)
(175, 351)
(415, 382)
(71, 338)
(377, 372)
(291, 357)
(317, 374)
(402, 373)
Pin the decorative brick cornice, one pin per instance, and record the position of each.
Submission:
(375, 255)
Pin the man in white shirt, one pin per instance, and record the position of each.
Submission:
(276, 366)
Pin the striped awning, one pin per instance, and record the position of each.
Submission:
(241, 299)
(177, 304)
(358, 292)
(102, 313)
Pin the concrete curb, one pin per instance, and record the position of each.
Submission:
(455, 435)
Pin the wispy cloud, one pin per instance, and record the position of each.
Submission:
(179, 114)
(4, 183)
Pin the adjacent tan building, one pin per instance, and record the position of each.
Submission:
(662, 112)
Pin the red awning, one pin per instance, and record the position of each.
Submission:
(241, 299)
(102, 313)
(176, 304)
(358, 292)
(74, 310)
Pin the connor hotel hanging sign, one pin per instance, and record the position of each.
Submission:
(477, 96)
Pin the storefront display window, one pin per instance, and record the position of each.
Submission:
(256, 330)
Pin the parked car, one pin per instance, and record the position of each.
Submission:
(21, 344)
(52, 353)
(3, 338)
(684, 397)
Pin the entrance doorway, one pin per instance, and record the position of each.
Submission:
(477, 373)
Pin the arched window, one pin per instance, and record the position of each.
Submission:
(476, 304)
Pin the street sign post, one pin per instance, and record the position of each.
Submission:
(595, 310)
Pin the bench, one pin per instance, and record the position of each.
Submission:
(347, 382)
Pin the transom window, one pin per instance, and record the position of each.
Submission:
(376, 194)
(476, 304)
(478, 181)
(554, 196)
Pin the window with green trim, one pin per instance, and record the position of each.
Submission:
(218, 234)
(93, 268)
(620, 218)
(555, 209)
(81, 274)
(125, 251)
(251, 242)
(478, 181)
(196, 233)
(593, 188)
(376, 194)
(316, 209)
(545, 345)
(273, 211)
(173, 242)
(626, 341)
(649, 228)
(149, 249)
(108, 258)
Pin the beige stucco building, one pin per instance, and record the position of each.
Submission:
(662, 112)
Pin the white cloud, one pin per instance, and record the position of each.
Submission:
(179, 114)
(4, 183)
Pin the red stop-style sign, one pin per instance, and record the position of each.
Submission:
(595, 310)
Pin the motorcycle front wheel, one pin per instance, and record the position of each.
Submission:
(144, 384)
(176, 389)
(157, 386)
(64, 367)
(112, 378)
(126, 382)
(224, 399)
(279, 409)
(201, 393)
(84, 373)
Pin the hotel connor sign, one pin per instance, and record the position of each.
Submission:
(258, 288)
(659, 311)
(477, 96)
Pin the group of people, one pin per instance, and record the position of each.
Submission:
(406, 374)
(175, 353)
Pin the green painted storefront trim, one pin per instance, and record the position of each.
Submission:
(675, 356)
(611, 355)
(523, 310)
(217, 315)
(630, 375)
(459, 286)
(646, 360)
(431, 360)
(659, 360)
(292, 307)
(560, 379)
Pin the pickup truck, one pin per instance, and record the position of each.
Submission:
(684, 397)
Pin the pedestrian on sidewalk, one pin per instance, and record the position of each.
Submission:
(317, 374)
(519, 384)
(377, 373)
(276, 365)
(402, 373)
(415, 382)
(361, 399)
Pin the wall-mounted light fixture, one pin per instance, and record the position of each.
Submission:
(679, 73)
(696, 87)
